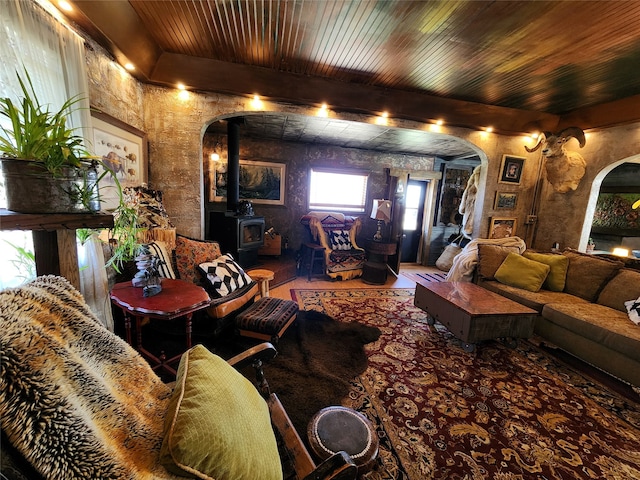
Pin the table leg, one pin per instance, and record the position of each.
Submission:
(127, 326)
(189, 329)
(138, 333)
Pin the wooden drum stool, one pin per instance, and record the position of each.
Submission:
(335, 429)
(267, 319)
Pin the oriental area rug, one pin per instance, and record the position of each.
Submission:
(496, 413)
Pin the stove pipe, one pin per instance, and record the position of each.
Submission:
(233, 166)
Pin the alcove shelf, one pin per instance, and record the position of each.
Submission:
(54, 238)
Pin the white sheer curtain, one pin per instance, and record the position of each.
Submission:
(53, 55)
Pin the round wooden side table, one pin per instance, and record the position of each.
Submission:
(335, 429)
(262, 277)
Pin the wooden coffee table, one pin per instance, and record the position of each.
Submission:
(177, 299)
(473, 314)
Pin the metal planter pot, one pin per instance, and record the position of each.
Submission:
(30, 188)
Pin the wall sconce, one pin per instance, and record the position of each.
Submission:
(381, 212)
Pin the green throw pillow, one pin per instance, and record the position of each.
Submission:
(558, 272)
(518, 271)
(217, 426)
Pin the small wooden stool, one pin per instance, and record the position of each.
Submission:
(262, 277)
(335, 429)
(267, 319)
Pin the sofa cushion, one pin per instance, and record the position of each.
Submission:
(518, 271)
(535, 300)
(159, 249)
(223, 275)
(190, 253)
(587, 274)
(558, 269)
(217, 425)
(603, 325)
(490, 257)
(623, 287)
(340, 240)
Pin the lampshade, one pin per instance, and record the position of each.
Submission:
(381, 210)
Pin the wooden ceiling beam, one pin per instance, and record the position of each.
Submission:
(619, 112)
(127, 38)
(215, 76)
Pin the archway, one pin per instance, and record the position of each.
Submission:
(596, 190)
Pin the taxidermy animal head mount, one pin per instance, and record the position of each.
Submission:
(564, 168)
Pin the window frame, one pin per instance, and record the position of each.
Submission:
(339, 207)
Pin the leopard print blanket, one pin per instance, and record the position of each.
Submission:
(75, 399)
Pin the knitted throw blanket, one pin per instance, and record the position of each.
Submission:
(75, 399)
(465, 262)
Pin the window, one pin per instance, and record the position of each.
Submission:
(337, 190)
(412, 207)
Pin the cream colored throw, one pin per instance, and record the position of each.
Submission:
(465, 262)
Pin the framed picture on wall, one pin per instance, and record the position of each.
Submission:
(123, 149)
(505, 201)
(502, 228)
(260, 182)
(511, 169)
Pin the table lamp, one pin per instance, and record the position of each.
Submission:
(381, 212)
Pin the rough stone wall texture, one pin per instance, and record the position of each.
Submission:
(175, 129)
(562, 215)
(112, 89)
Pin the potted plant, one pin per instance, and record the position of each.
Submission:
(47, 169)
(45, 166)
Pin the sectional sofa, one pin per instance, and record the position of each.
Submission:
(581, 300)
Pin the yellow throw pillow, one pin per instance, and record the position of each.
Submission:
(558, 269)
(518, 271)
(217, 426)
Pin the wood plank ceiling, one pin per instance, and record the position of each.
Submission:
(519, 65)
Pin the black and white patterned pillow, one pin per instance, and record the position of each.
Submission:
(224, 275)
(633, 309)
(165, 268)
(340, 240)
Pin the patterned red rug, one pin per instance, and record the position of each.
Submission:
(497, 413)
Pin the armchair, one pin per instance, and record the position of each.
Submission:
(76, 401)
(337, 233)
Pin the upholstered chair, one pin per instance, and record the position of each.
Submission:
(337, 233)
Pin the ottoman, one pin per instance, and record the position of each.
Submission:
(335, 429)
(267, 319)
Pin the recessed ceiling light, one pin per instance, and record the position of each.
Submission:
(129, 66)
(63, 4)
(323, 111)
(181, 86)
(489, 129)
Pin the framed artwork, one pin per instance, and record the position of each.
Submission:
(123, 149)
(502, 228)
(505, 201)
(260, 182)
(511, 169)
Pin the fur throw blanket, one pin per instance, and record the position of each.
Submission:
(75, 399)
(465, 262)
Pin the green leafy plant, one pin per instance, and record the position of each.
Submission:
(24, 261)
(39, 134)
